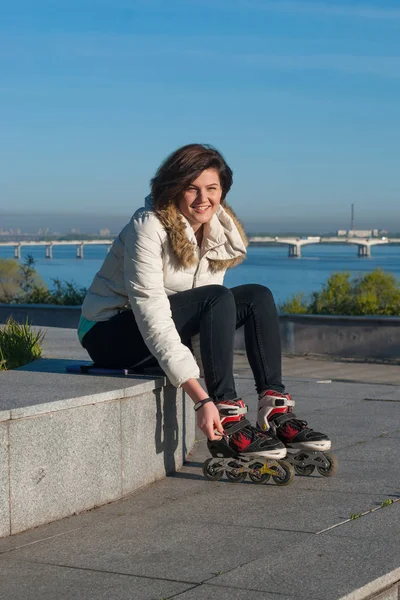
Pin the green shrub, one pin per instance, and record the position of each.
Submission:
(376, 293)
(10, 279)
(66, 293)
(21, 284)
(336, 296)
(296, 305)
(19, 344)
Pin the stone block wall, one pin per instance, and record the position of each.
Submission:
(62, 461)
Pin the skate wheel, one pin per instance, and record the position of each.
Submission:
(333, 465)
(212, 472)
(286, 475)
(235, 477)
(307, 470)
(258, 478)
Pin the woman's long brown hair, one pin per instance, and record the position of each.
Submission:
(181, 168)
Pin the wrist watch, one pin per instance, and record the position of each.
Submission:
(202, 402)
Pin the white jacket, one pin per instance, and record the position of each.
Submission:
(153, 257)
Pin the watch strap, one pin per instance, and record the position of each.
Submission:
(201, 403)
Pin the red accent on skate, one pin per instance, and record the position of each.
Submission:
(277, 411)
(234, 418)
(240, 441)
(288, 432)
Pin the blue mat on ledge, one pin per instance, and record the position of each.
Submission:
(146, 373)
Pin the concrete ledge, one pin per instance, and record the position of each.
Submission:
(338, 336)
(62, 456)
(386, 587)
(348, 337)
(42, 315)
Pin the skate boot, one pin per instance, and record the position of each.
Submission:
(307, 449)
(245, 450)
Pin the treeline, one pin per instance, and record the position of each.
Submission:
(376, 293)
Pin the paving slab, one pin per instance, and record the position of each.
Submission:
(31, 580)
(267, 507)
(346, 391)
(22, 391)
(62, 343)
(242, 540)
(366, 478)
(379, 524)
(379, 450)
(337, 369)
(323, 567)
(166, 547)
(205, 592)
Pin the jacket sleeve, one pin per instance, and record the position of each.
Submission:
(143, 270)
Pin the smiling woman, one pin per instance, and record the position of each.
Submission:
(201, 199)
(160, 295)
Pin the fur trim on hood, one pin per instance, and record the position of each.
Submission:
(177, 226)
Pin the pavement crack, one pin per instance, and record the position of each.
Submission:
(45, 539)
(358, 516)
(371, 439)
(107, 572)
(258, 527)
(258, 590)
(177, 594)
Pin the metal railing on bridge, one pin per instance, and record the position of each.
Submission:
(49, 246)
(295, 244)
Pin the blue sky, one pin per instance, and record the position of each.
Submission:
(301, 97)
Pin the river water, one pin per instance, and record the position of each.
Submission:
(269, 266)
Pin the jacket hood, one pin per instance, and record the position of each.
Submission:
(224, 239)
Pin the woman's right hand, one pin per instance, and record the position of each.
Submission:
(208, 420)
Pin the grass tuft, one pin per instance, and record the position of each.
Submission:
(19, 344)
(387, 502)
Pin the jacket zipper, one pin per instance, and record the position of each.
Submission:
(196, 272)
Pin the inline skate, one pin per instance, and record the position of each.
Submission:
(307, 449)
(244, 450)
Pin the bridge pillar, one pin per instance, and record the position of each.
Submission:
(294, 250)
(49, 251)
(79, 251)
(17, 252)
(364, 251)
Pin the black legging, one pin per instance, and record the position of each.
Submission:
(215, 312)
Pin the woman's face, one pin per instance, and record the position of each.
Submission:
(201, 198)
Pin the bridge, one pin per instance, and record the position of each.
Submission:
(295, 244)
(49, 246)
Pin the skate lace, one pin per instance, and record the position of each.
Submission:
(261, 434)
(297, 424)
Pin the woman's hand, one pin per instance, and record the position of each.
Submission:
(207, 416)
(208, 420)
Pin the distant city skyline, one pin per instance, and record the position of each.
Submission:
(301, 96)
(86, 223)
